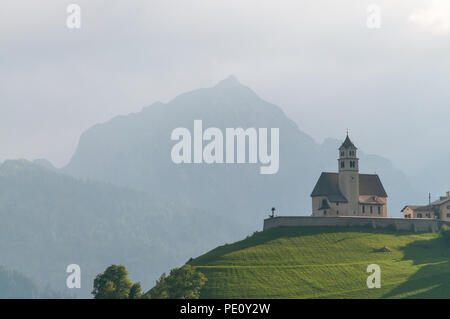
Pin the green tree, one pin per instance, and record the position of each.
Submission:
(182, 283)
(114, 284)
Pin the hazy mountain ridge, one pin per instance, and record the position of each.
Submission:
(14, 285)
(134, 151)
(50, 220)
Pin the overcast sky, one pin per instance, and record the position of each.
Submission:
(315, 59)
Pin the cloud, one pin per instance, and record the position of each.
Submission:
(435, 18)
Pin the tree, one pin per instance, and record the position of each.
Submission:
(182, 283)
(114, 284)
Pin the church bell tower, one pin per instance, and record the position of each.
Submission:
(349, 175)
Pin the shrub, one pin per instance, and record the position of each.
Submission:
(383, 249)
(182, 283)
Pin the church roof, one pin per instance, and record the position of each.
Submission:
(347, 143)
(328, 185)
(370, 184)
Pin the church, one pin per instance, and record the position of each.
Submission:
(349, 193)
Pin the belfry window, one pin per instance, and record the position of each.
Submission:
(352, 164)
(342, 153)
(342, 164)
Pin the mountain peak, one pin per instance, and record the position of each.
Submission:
(230, 81)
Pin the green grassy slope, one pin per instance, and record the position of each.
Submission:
(296, 262)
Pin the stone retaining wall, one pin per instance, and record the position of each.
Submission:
(410, 224)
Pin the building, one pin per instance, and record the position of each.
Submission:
(439, 209)
(348, 193)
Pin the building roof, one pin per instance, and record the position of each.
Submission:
(418, 208)
(443, 200)
(427, 208)
(328, 185)
(413, 207)
(347, 143)
(370, 184)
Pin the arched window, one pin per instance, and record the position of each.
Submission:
(342, 164)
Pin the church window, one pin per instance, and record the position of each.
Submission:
(352, 164)
(342, 164)
(352, 153)
(364, 209)
(371, 209)
(379, 210)
(342, 154)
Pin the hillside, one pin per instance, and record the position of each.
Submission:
(49, 220)
(327, 263)
(14, 285)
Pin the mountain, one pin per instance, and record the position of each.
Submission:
(50, 220)
(135, 151)
(14, 285)
(45, 164)
(327, 262)
(434, 178)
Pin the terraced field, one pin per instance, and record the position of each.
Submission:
(324, 262)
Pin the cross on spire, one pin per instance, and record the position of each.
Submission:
(347, 131)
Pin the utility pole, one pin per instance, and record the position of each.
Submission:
(429, 205)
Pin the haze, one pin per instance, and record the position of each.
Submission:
(317, 60)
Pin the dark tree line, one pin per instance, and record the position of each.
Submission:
(181, 283)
